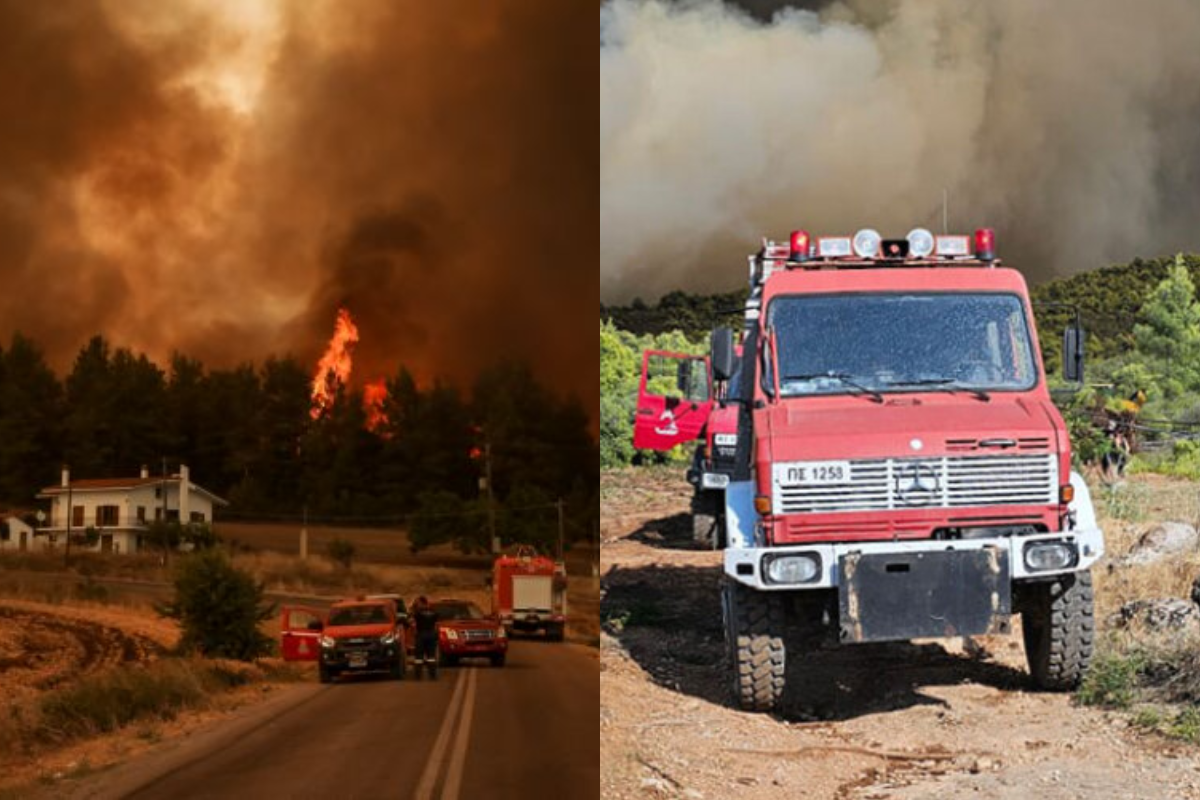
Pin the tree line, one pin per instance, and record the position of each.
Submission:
(248, 434)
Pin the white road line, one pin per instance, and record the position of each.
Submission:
(434, 764)
(459, 756)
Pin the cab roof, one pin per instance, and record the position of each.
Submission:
(895, 279)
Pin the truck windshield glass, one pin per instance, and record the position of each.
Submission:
(458, 611)
(357, 615)
(856, 343)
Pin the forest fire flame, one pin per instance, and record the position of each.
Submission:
(333, 369)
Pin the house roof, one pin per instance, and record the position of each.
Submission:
(118, 484)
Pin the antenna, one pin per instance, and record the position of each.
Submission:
(945, 211)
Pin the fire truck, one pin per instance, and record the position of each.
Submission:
(529, 593)
(884, 461)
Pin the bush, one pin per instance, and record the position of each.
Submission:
(1112, 681)
(341, 552)
(219, 608)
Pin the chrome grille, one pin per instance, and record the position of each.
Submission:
(946, 482)
(479, 633)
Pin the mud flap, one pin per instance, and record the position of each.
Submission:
(900, 596)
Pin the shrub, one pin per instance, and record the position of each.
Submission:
(219, 608)
(341, 552)
(1112, 681)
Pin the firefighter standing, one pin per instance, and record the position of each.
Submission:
(425, 624)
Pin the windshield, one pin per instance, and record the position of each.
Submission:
(868, 343)
(358, 615)
(458, 611)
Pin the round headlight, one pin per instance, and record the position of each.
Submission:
(920, 243)
(867, 242)
(328, 641)
(793, 569)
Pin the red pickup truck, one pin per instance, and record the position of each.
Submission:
(358, 635)
(465, 632)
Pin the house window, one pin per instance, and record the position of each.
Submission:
(198, 516)
(157, 492)
(3, 531)
(107, 515)
(157, 514)
(77, 516)
(141, 514)
(173, 515)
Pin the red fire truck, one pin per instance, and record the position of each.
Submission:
(898, 470)
(529, 593)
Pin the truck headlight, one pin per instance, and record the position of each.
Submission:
(500, 633)
(1045, 556)
(792, 568)
(328, 642)
(450, 633)
(388, 638)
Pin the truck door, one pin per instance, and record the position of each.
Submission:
(674, 398)
(300, 633)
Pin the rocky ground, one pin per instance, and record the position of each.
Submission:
(922, 720)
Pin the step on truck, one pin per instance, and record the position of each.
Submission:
(890, 465)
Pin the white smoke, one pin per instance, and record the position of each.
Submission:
(1070, 127)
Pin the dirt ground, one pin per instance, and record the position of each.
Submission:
(898, 721)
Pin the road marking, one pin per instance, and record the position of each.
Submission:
(459, 756)
(434, 764)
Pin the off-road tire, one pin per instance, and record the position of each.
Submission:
(707, 521)
(754, 628)
(397, 671)
(1059, 629)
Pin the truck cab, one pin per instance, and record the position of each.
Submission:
(901, 471)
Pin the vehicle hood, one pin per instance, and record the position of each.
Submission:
(358, 631)
(906, 426)
(469, 624)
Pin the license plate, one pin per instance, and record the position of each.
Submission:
(812, 473)
(714, 480)
(357, 660)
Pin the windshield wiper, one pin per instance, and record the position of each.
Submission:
(843, 378)
(950, 384)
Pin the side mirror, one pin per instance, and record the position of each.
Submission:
(315, 625)
(1072, 355)
(722, 354)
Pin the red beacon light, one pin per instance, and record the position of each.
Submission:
(985, 244)
(799, 248)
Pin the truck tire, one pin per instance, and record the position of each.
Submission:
(498, 660)
(323, 675)
(554, 633)
(398, 667)
(754, 627)
(708, 520)
(1059, 628)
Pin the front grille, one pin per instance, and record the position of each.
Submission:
(947, 482)
(479, 633)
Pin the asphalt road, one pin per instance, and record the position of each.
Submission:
(528, 729)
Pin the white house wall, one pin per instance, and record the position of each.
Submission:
(127, 502)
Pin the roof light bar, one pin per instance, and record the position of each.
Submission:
(985, 244)
(800, 243)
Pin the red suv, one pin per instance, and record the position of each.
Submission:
(464, 631)
(362, 636)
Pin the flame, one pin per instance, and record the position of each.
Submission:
(374, 394)
(333, 369)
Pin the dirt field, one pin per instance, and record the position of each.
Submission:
(927, 720)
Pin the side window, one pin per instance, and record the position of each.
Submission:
(675, 377)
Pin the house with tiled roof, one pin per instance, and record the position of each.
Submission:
(120, 510)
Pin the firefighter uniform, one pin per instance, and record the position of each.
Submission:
(426, 638)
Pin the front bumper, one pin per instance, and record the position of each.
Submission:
(365, 659)
(473, 647)
(745, 564)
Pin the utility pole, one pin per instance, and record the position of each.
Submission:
(560, 529)
(67, 552)
(491, 498)
(304, 536)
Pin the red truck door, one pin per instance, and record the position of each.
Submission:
(300, 633)
(674, 398)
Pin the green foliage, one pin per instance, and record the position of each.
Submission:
(1112, 680)
(219, 608)
(341, 552)
(692, 315)
(443, 517)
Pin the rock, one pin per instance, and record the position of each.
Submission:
(1161, 614)
(1162, 540)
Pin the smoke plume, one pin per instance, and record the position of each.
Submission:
(1070, 127)
(219, 178)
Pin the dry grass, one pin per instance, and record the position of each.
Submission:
(1125, 513)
